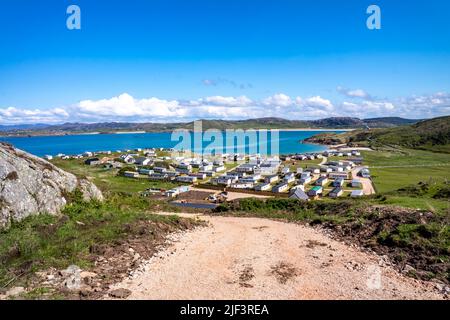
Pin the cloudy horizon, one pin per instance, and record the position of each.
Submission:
(357, 103)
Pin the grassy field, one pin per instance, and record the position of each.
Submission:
(392, 171)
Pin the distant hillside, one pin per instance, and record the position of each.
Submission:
(431, 134)
(22, 127)
(389, 122)
(260, 123)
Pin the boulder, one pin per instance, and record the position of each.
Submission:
(31, 185)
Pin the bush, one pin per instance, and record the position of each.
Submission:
(124, 169)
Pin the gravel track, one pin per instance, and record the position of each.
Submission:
(252, 258)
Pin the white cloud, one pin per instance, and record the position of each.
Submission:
(222, 81)
(278, 100)
(13, 115)
(124, 107)
(241, 101)
(356, 93)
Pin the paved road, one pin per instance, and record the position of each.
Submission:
(252, 258)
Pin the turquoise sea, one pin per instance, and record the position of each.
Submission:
(289, 142)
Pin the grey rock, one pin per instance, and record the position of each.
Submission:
(31, 185)
(408, 269)
(15, 291)
(73, 277)
(120, 293)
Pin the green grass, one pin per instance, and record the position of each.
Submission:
(42, 241)
(392, 171)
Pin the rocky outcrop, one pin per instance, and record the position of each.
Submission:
(31, 185)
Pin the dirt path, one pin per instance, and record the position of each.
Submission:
(252, 258)
(367, 185)
(324, 160)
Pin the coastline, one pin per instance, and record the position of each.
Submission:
(58, 134)
(316, 129)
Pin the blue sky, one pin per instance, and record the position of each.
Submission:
(173, 60)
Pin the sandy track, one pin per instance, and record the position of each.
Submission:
(251, 258)
(367, 184)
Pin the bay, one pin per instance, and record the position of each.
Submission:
(289, 142)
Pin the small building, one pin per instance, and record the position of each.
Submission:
(199, 175)
(321, 181)
(160, 169)
(186, 166)
(356, 183)
(172, 174)
(242, 185)
(268, 168)
(176, 191)
(336, 192)
(365, 173)
(150, 153)
(272, 178)
(158, 176)
(187, 179)
(335, 175)
(289, 178)
(48, 157)
(183, 170)
(305, 180)
(282, 187)
(206, 167)
(315, 191)
(208, 173)
(305, 175)
(299, 194)
(298, 186)
(127, 158)
(142, 161)
(339, 182)
(226, 181)
(219, 169)
(285, 170)
(357, 193)
(131, 174)
(356, 161)
(246, 167)
(263, 187)
(87, 154)
(145, 171)
(299, 170)
(249, 179)
(92, 161)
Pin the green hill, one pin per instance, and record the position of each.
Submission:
(259, 123)
(431, 134)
